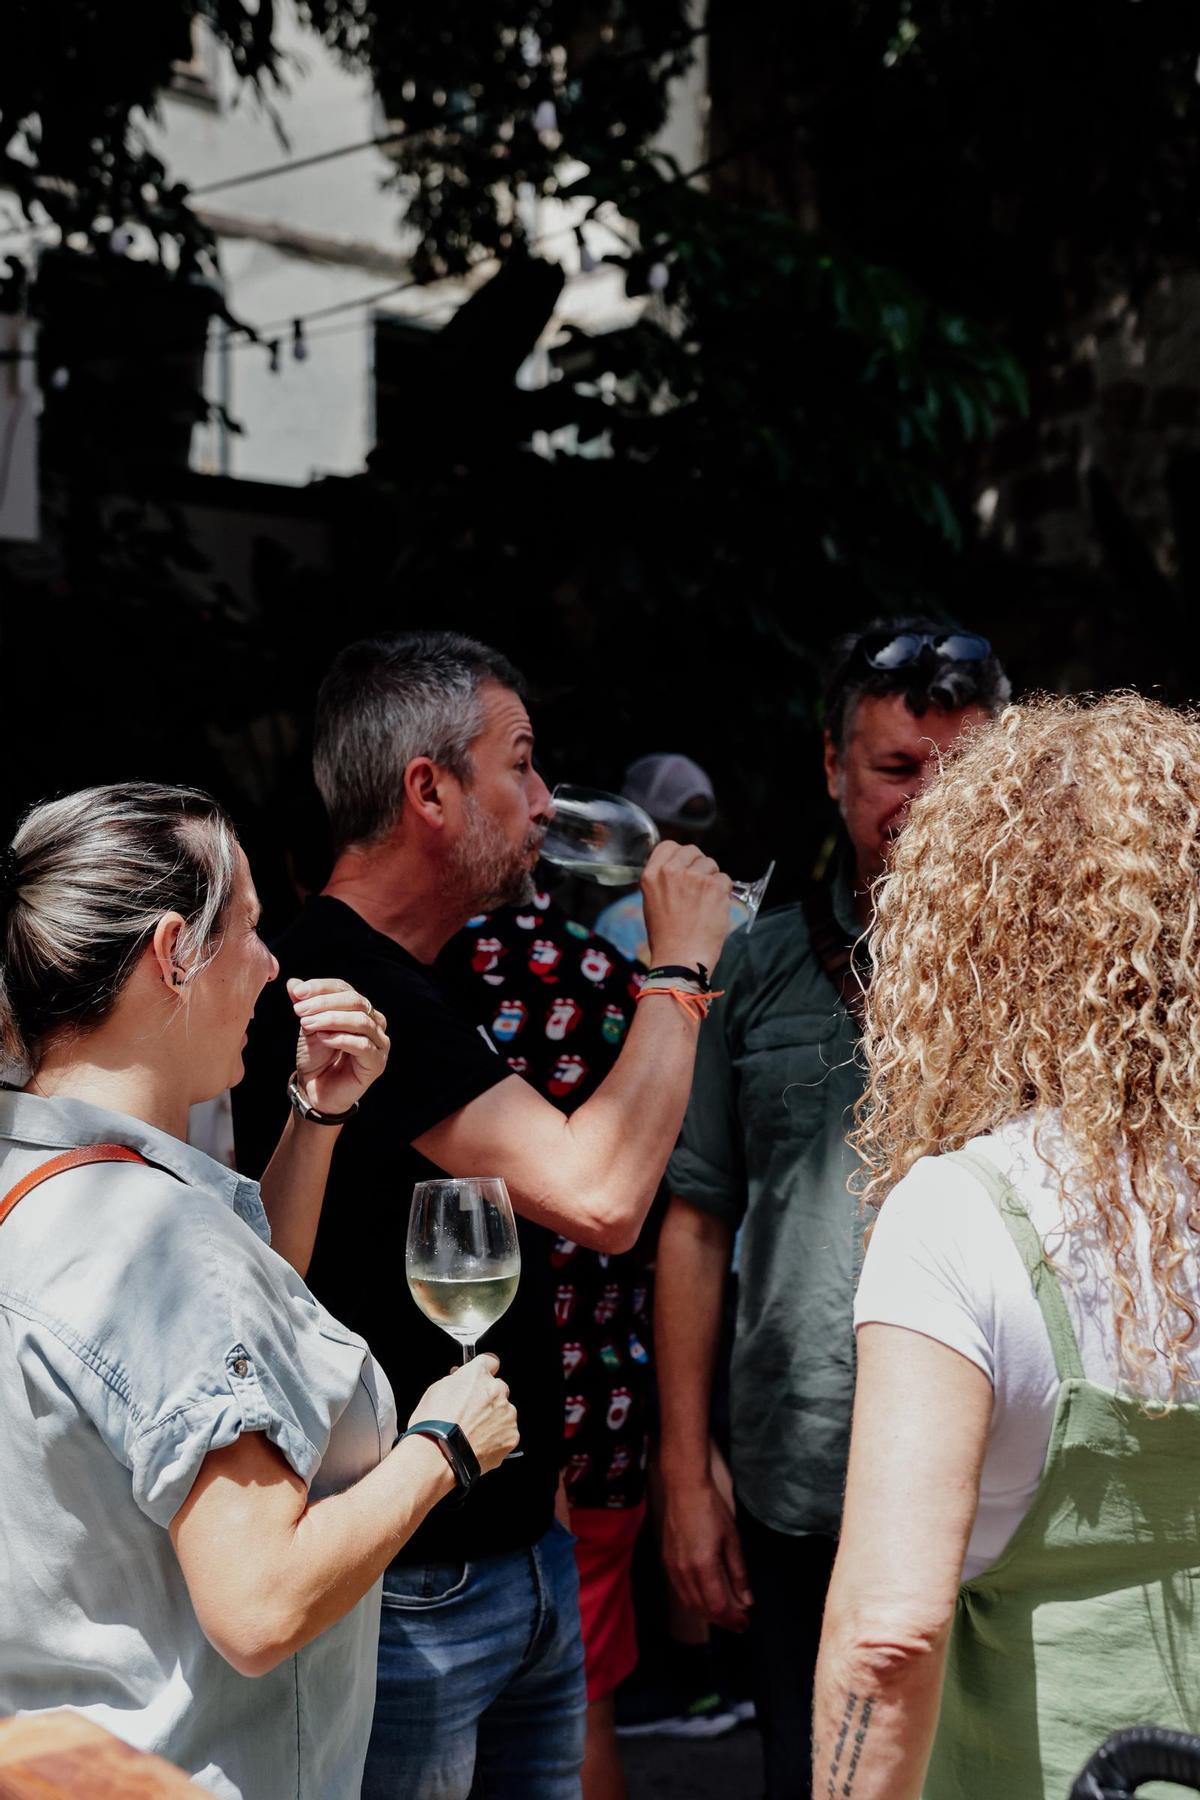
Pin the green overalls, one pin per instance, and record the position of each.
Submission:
(1090, 1619)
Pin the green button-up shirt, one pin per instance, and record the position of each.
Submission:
(763, 1147)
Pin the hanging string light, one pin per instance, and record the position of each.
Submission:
(587, 262)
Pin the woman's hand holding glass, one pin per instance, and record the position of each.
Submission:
(463, 1256)
(343, 1044)
(473, 1398)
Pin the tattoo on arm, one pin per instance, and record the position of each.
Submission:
(848, 1746)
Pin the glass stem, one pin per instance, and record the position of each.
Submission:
(468, 1352)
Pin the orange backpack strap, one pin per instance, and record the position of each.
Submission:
(58, 1165)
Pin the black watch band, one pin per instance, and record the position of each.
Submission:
(451, 1440)
(302, 1105)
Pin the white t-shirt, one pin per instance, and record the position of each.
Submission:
(941, 1262)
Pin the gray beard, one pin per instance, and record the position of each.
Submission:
(484, 871)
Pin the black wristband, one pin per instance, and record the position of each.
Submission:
(454, 1445)
(699, 974)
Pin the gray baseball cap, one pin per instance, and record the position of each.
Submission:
(663, 785)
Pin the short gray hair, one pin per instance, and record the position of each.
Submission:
(88, 878)
(386, 701)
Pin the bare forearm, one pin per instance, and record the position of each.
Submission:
(302, 1567)
(591, 1177)
(921, 1418)
(693, 1260)
(293, 1188)
(875, 1715)
(701, 1548)
(342, 1545)
(616, 1146)
(341, 1049)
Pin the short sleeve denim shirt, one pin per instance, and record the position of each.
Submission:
(145, 1321)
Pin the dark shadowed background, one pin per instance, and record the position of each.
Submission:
(919, 330)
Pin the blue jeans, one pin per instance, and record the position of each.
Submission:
(481, 1688)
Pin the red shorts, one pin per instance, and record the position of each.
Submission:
(604, 1555)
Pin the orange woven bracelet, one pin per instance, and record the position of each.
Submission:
(695, 1005)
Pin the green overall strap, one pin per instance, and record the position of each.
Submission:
(1046, 1289)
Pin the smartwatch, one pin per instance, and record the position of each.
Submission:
(451, 1440)
(302, 1105)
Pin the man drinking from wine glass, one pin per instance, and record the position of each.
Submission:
(423, 753)
(763, 1149)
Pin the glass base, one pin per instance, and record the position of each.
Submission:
(750, 893)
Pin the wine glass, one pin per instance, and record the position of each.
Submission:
(462, 1259)
(606, 838)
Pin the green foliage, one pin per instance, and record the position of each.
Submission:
(781, 364)
(491, 102)
(903, 206)
(774, 364)
(1002, 153)
(78, 81)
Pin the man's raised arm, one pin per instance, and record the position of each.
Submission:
(593, 1176)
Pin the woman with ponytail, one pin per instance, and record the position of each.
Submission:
(200, 1488)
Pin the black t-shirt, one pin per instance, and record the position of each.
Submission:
(558, 1002)
(439, 1063)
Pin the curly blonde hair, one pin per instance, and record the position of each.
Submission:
(1037, 950)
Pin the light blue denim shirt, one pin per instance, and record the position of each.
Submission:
(144, 1321)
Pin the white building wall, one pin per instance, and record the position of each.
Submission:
(315, 417)
(18, 431)
(312, 417)
(328, 236)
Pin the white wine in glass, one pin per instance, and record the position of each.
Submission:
(462, 1258)
(607, 839)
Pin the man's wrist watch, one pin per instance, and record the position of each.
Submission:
(303, 1105)
(452, 1441)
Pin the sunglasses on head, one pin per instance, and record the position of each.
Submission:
(898, 649)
